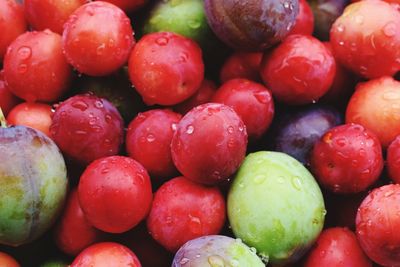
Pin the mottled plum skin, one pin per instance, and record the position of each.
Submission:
(377, 225)
(253, 25)
(296, 134)
(216, 250)
(337, 247)
(276, 206)
(209, 144)
(33, 183)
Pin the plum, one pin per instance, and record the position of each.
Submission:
(216, 250)
(33, 182)
(276, 206)
(253, 25)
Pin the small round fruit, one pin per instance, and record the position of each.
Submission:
(209, 144)
(148, 140)
(35, 68)
(216, 250)
(34, 115)
(248, 98)
(33, 182)
(7, 99)
(253, 25)
(242, 65)
(347, 159)
(115, 193)
(12, 24)
(106, 254)
(275, 206)
(97, 52)
(304, 23)
(183, 210)
(366, 38)
(337, 247)
(166, 68)
(377, 223)
(7, 261)
(393, 160)
(86, 127)
(375, 105)
(299, 71)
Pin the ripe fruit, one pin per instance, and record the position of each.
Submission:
(7, 99)
(393, 160)
(115, 193)
(242, 65)
(166, 68)
(183, 210)
(276, 206)
(304, 23)
(95, 52)
(209, 144)
(7, 261)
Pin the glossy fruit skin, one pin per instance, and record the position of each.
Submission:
(7, 261)
(86, 127)
(166, 68)
(297, 133)
(12, 24)
(33, 181)
(48, 14)
(115, 193)
(299, 71)
(252, 25)
(304, 23)
(392, 160)
(34, 115)
(106, 254)
(347, 159)
(148, 140)
(184, 17)
(276, 206)
(242, 65)
(94, 52)
(35, 68)
(376, 224)
(73, 233)
(128, 5)
(374, 105)
(216, 249)
(203, 95)
(248, 98)
(368, 45)
(7, 99)
(209, 144)
(183, 210)
(337, 247)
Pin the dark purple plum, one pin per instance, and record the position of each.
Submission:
(252, 25)
(296, 133)
(216, 250)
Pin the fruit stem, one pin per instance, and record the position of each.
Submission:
(3, 122)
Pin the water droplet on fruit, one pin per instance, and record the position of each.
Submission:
(194, 24)
(100, 49)
(341, 43)
(22, 68)
(263, 97)
(183, 57)
(24, 52)
(150, 138)
(105, 170)
(231, 129)
(241, 128)
(296, 182)
(80, 132)
(286, 5)
(216, 175)
(111, 42)
(341, 141)
(162, 41)
(389, 29)
(259, 179)
(340, 28)
(98, 104)
(336, 188)
(216, 261)
(80, 105)
(264, 257)
(184, 261)
(190, 129)
(195, 224)
(174, 126)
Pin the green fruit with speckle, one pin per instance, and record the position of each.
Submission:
(276, 206)
(33, 184)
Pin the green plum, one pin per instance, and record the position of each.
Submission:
(276, 206)
(33, 184)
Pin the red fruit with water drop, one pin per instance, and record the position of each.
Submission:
(251, 101)
(86, 127)
(209, 144)
(183, 210)
(166, 68)
(115, 193)
(93, 51)
(347, 159)
(377, 224)
(35, 68)
(366, 38)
